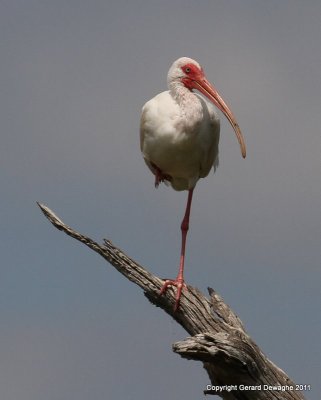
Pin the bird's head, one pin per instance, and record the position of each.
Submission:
(188, 72)
(184, 70)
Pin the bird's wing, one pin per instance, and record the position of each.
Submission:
(143, 133)
(142, 128)
(210, 160)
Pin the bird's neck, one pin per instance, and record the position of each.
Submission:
(189, 103)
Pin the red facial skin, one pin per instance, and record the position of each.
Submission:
(193, 74)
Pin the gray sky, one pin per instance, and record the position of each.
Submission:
(74, 76)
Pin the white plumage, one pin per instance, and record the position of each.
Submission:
(179, 137)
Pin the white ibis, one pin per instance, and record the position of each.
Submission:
(179, 136)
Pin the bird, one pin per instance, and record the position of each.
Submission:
(179, 139)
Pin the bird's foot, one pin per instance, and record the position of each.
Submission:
(180, 285)
(160, 176)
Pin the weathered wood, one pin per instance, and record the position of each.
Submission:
(218, 338)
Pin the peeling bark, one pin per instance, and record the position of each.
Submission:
(218, 339)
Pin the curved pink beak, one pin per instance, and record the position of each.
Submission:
(208, 90)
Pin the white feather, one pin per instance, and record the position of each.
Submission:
(180, 137)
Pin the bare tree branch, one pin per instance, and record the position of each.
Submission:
(236, 366)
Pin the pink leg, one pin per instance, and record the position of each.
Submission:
(179, 281)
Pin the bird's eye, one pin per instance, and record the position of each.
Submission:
(187, 70)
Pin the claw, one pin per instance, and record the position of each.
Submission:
(180, 284)
(160, 176)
